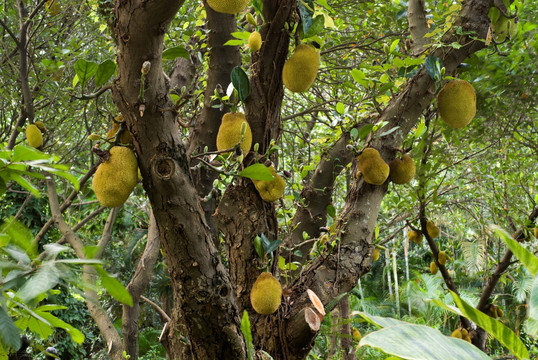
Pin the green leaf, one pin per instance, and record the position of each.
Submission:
(175, 52)
(257, 172)
(340, 108)
(494, 327)
(234, 42)
(40, 326)
(365, 130)
(258, 246)
(272, 246)
(380, 321)
(23, 152)
(75, 334)
(525, 256)
(19, 235)
(331, 211)
(420, 342)
(45, 278)
(24, 183)
(316, 27)
(533, 300)
(114, 287)
(433, 67)
(104, 72)
(244, 35)
(245, 329)
(85, 70)
(393, 45)
(9, 333)
(240, 82)
(306, 11)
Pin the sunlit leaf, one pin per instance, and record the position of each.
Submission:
(114, 287)
(257, 172)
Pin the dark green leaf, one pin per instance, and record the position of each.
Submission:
(114, 287)
(331, 211)
(433, 67)
(365, 130)
(240, 82)
(175, 52)
(9, 334)
(85, 70)
(316, 27)
(45, 278)
(258, 246)
(104, 72)
(272, 246)
(257, 172)
(306, 11)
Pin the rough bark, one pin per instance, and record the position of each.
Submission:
(137, 285)
(337, 272)
(346, 339)
(204, 301)
(418, 27)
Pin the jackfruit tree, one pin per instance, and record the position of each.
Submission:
(268, 150)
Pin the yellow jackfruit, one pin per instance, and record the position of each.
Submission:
(230, 132)
(500, 312)
(301, 68)
(40, 125)
(255, 41)
(457, 103)
(271, 190)
(492, 311)
(228, 6)
(402, 170)
(373, 168)
(464, 332)
(467, 338)
(536, 232)
(457, 334)
(265, 294)
(376, 255)
(432, 229)
(125, 137)
(414, 236)
(357, 335)
(433, 268)
(34, 136)
(53, 7)
(442, 258)
(116, 177)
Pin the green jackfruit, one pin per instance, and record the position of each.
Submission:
(432, 229)
(230, 132)
(402, 170)
(265, 294)
(457, 103)
(34, 136)
(255, 41)
(116, 177)
(300, 70)
(372, 167)
(228, 6)
(414, 236)
(442, 257)
(433, 268)
(271, 190)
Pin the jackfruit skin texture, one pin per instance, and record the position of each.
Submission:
(34, 136)
(116, 177)
(402, 170)
(432, 229)
(272, 190)
(230, 132)
(456, 334)
(300, 70)
(433, 268)
(125, 137)
(464, 333)
(40, 125)
(228, 6)
(357, 336)
(442, 258)
(255, 41)
(373, 168)
(457, 103)
(414, 236)
(265, 294)
(375, 257)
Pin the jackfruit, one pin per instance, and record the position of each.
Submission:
(442, 258)
(228, 6)
(536, 232)
(40, 125)
(457, 103)
(34, 136)
(265, 294)
(373, 168)
(376, 255)
(492, 311)
(500, 312)
(116, 177)
(300, 70)
(230, 132)
(467, 338)
(53, 7)
(433, 268)
(402, 170)
(357, 336)
(414, 236)
(271, 190)
(456, 334)
(125, 137)
(464, 332)
(255, 41)
(432, 229)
